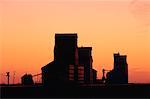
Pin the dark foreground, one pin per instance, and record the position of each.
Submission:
(94, 91)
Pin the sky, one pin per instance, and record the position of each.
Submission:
(28, 27)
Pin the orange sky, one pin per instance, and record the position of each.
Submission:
(27, 29)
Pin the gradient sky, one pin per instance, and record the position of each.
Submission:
(27, 29)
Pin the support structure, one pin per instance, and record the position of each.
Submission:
(8, 75)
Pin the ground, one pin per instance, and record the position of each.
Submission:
(90, 91)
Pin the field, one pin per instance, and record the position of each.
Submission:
(90, 91)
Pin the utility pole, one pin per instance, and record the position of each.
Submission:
(8, 75)
(103, 77)
(103, 71)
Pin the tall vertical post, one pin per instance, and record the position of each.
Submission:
(8, 75)
(103, 70)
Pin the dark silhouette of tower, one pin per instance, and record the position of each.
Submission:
(120, 72)
(121, 66)
(8, 76)
(85, 59)
(71, 64)
(65, 55)
(65, 51)
(94, 75)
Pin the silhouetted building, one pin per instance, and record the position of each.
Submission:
(85, 59)
(71, 73)
(50, 74)
(65, 51)
(27, 79)
(120, 72)
(65, 55)
(94, 75)
(81, 74)
(71, 64)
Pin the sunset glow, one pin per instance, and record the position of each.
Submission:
(27, 29)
